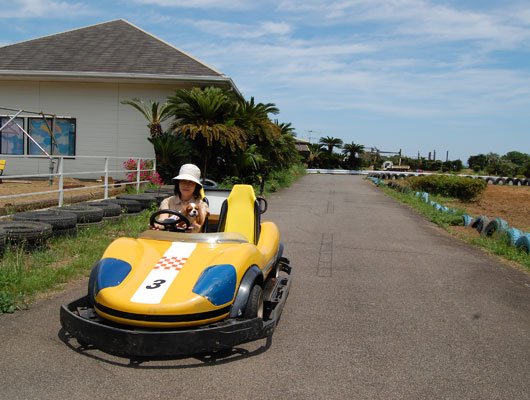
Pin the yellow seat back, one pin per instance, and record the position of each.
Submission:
(2, 164)
(241, 212)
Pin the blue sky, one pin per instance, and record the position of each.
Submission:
(415, 75)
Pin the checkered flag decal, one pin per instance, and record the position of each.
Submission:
(170, 262)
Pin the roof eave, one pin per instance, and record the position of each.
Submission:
(117, 77)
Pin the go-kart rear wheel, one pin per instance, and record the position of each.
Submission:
(254, 308)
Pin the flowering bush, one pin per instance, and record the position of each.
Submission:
(132, 165)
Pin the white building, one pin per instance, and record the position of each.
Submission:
(81, 77)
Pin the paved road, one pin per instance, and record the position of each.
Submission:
(384, 305)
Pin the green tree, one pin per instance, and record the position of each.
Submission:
(353, 152)
(330, 143)
(154, 113)
(171, 151)
(207, 116)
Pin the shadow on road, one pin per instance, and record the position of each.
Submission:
(203, 360)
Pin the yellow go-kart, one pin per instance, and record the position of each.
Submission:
(170, 293)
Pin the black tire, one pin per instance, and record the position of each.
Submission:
(59, 220)
(112, 219)
(72, 232)
(254, 308)
(26, 233)
(109, 209)
(86, 225)
(145, 200)
(127, 206)
(3, 238)
(85, 214)
(500, 181)
(490, 181)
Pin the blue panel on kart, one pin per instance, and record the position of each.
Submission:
(112, 272)
(217, 283)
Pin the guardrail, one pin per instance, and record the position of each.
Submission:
(57, 164)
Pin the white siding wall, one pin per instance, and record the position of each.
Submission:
(105, 127)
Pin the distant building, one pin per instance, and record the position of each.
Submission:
(81, 76)
(302, 146)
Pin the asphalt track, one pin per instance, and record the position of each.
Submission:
(384, 305)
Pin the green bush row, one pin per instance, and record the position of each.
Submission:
(464, 189)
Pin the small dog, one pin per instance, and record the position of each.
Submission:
(191, 211)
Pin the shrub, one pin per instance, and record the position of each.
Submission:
(463, 188)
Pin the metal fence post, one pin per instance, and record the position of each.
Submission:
(106, 192)
(138, 175)
(60, 171)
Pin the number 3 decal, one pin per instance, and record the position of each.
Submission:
(156, 284)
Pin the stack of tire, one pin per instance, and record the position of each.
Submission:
(62, 223)
(128, 207)
(87, 216)
(146, 200)
(26, 234)
(111, 211)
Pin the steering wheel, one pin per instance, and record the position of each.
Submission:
(171, 224)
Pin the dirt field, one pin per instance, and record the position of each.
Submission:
(84, 191)
(511, 203)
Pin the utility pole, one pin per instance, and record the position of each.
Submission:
(447, 156)
(434, 156)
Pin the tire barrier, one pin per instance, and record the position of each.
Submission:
(30, 235)
(524, 242)
(496, 227)
(111, 211)
(3, 237)
(128, 207)
(63, 223)
(512, 235)
(479, 223)
(87, 216)
(145, 200)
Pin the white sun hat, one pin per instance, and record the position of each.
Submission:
(189, 172)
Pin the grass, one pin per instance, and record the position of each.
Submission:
(493, 245)
(24, 275)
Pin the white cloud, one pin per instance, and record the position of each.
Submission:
(241, 31)
(204, 4)
(40, 8)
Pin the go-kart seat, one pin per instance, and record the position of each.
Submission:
(240, 213)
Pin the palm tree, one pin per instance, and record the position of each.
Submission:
(154, 114)
(254, 119)
(353, 151)
(331, 142)
(207, 116)
(315, 153)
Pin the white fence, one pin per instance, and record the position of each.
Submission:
(58, 170)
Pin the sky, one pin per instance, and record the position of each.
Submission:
(416, 75)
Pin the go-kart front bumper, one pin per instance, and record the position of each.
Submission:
(82, 322)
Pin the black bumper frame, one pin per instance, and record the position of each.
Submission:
(82, 322)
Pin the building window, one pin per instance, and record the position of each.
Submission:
(12, 137)
(65, 136)
(64, 132)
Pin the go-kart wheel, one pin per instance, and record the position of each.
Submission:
(254, 308)
(171, 224)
